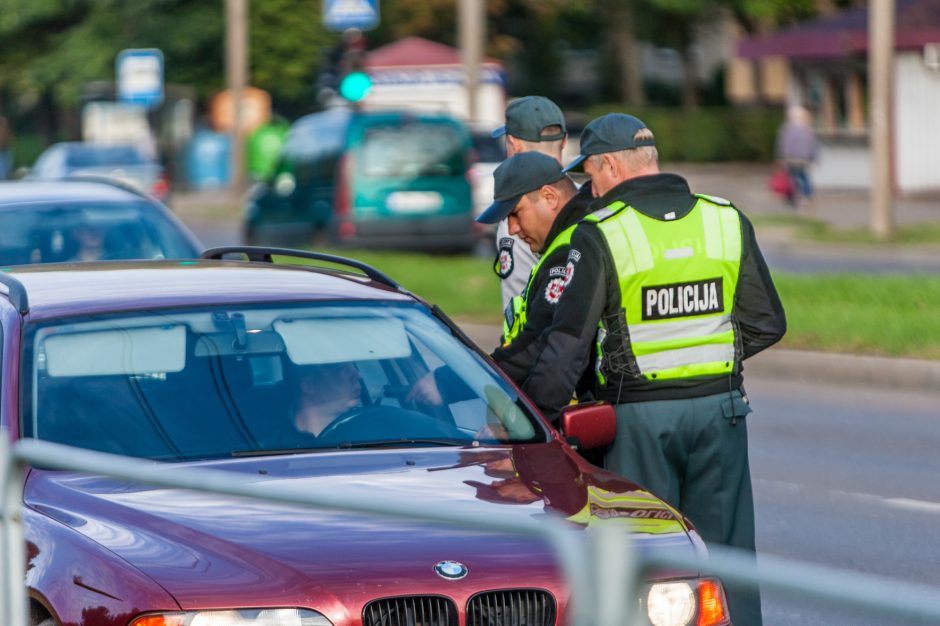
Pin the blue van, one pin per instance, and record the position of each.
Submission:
(368, 178)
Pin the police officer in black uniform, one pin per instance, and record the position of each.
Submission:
(543, 205)
(668, 293)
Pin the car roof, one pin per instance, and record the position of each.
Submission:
(72, 191)
(55, 290)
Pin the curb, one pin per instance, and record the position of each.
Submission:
(802, 365)
(834, 368)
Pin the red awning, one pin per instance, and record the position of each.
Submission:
(845, 34)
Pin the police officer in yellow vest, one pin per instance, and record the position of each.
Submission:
(669, 293)
(542, 206)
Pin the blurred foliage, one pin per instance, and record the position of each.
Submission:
(57, 46)
(50, 50)
(708, 133)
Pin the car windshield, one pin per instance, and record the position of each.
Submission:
(411, 149)
(88, 232)
(177, 385)
(95, 156)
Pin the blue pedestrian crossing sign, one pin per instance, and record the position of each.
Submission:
(346, 14)
(140, 76)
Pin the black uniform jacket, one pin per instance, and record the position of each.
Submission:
(517, 358)
(565, 348)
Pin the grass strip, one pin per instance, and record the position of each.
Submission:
(888, 315)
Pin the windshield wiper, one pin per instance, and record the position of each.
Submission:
(384, 443)
(276, 452)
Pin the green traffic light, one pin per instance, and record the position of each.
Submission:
(355, 86)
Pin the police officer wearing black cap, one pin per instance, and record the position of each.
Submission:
(533, 124)
(668, 293)
(542, 206)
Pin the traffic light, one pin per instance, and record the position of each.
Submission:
(354, 83)
(355, 86)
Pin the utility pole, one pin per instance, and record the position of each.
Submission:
(471, 17)
(880, 66)
(236, 72)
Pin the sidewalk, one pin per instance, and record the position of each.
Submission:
(745, 184)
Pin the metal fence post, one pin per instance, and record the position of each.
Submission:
(12, 548)
(614, 575)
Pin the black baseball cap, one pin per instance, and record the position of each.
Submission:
(610, 133)
(527, 117)
(517, 176)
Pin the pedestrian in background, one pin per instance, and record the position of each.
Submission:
(669, 293)
(535, 124)
(796, 150)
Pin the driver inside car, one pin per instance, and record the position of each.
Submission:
(323, 392)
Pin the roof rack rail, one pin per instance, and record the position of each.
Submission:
(263, 254)
(16, 292)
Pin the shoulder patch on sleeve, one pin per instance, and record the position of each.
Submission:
(505, 263)
(554, 289)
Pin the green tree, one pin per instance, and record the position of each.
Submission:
(50, 49)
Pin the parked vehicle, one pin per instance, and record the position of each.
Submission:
(489, 152)
(390, 179)
(220, 364)
(123, 162)
(87, 220)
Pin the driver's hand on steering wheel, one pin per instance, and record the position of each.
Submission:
(492, 431)
(425, 391)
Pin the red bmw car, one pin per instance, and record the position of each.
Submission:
(304, 376)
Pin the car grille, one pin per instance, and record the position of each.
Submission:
(410, 611)
(516, 607)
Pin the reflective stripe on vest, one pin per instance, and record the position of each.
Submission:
(677, 283)
(514, 317)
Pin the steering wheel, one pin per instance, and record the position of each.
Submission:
(381, 422)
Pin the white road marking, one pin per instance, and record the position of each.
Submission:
(907, 504)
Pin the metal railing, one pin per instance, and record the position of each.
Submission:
(600, 586)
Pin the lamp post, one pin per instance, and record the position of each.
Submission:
(236, 71)
(880, 61)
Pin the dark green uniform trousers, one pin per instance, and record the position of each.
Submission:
(692, 453)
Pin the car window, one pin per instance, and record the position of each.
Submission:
(86, 232)
(177, 385)
(410, 149)
(314, 145)
(90, 155)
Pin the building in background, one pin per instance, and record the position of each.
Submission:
(823, 65)
(419, 74)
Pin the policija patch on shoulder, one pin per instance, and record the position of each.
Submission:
(701, 297)
(504, 260)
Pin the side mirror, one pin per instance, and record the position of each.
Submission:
(589, 425)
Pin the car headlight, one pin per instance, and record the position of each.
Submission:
(241, 617)
(677, 603)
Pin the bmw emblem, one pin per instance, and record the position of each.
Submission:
(451, 570)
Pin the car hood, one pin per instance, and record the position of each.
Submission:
(203, 547)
